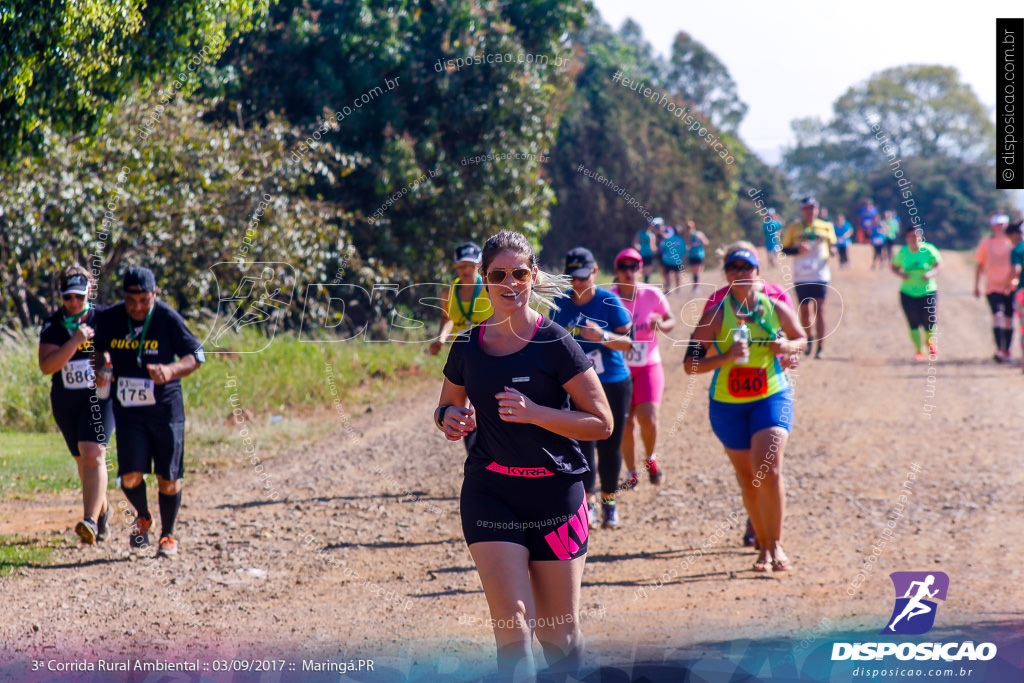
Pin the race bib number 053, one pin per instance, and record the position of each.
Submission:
(136, 391)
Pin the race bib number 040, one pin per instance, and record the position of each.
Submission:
(748, 382)
(136, 391)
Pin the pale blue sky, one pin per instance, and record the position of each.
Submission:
(794, 58)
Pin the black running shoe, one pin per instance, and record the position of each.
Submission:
(102, 525)
(138, 535)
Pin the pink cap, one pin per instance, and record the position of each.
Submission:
(629, 253)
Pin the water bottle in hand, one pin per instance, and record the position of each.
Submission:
(107, 373)
(740, 335)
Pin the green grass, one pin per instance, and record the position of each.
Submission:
(24, 390)
(299, 382)
(290, 376)
(287, 377)
(26, 551)
(35, 463)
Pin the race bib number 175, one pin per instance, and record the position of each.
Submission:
(136, 391)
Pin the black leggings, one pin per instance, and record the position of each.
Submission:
(920, 310)
(609, 450)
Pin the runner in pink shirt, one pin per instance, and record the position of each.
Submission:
(993, 257)
(650, 311)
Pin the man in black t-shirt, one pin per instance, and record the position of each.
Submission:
(142, 338)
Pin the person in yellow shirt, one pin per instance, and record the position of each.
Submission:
(811, 241)
(465, 303)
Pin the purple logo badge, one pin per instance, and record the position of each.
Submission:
(916, 596)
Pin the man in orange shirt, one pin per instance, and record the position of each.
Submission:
(993, 257)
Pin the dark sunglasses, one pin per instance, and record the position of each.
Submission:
(738, 267)
(496, 276)
(69, 297)
(634, 267)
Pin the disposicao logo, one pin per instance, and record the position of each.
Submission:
(916, 595)
(913, 614)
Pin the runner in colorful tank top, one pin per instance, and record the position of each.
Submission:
(751, 406)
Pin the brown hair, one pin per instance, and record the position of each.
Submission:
(545, 286)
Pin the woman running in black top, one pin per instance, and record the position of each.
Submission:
(523, 507)
(85, 421)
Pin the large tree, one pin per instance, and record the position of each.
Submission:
(65, 65)
(926, 110)
(416, 190)
(650, 162)
(697, 74)
(904, 125)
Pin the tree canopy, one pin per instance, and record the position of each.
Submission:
(911, 122)
(66, 65)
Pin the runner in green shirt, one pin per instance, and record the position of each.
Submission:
(917, 262)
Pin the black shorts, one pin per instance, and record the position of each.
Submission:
(878, 249)
(810, 290)
(82, 418)
(844, 257)
(147, 445)
(695, 261)
(672, 268)
(546, 515)
(1000, 303)
(920, 310)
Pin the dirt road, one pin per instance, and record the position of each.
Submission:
(362, 557)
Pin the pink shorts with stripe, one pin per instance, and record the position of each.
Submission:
(648, 384)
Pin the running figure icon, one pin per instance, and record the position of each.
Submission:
(917, 601)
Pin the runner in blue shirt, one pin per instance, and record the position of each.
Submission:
(844, 233)
(601, 325)
(772, 235)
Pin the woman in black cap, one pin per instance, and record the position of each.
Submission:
(85, 421)
(465, 303)
(601, 325)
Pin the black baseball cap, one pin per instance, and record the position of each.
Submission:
(467, 252)
(579, 262)
(138, 279)
(808, 201)
(76, 283)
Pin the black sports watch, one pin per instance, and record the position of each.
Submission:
(441, 410)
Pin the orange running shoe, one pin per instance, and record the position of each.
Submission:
(168, 546)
